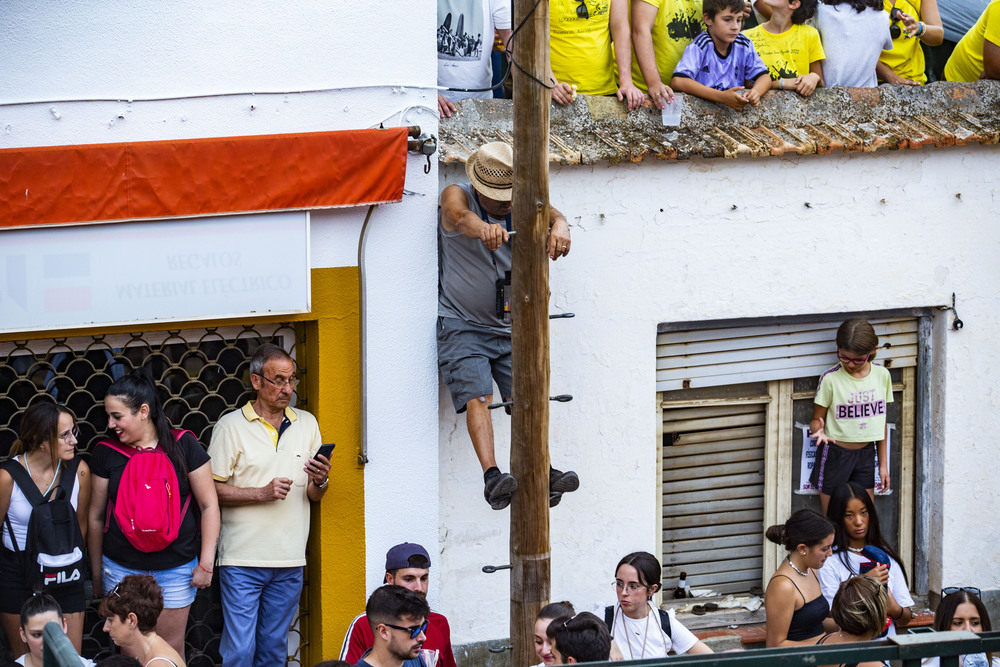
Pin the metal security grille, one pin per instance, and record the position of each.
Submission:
(713, 495)
(201, 375)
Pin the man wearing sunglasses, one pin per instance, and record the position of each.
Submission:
(407, 565)
(398, 619)
(266, 477)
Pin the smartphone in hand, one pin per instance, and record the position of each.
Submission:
(325, 450)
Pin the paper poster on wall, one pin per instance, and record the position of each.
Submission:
(809, 460)
(198, 268)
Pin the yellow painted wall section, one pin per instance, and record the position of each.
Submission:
(331, 356)
(336, 573)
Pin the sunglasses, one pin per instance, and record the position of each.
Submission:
(850, 360)
(414, 631)
(955, 589)
(894, 30)
(581, 11)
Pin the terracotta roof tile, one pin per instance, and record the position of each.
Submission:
(847, 120)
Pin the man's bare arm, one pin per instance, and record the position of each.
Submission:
(235, 496)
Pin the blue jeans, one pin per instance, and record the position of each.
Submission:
(258, 605)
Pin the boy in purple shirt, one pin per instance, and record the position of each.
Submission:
(719, 62)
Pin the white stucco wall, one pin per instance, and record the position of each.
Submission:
(104, 71)
(717, 239)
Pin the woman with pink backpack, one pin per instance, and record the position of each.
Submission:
(153, 507)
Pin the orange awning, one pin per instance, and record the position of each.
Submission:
(191, 177)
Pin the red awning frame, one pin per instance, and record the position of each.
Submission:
(53, 185)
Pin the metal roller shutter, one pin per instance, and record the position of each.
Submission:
(713, 495)
(736, 355)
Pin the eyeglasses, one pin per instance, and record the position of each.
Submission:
(581, 11)
(281, 384)
(114, 591)
(73, 433)
(850, 360)
(632, 586)
(414, 631)
(954, 589)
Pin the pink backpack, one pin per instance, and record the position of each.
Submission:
(148, 506)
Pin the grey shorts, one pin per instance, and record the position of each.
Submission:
(471, 359)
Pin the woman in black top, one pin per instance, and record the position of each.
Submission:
(136, 416)
(794, 600)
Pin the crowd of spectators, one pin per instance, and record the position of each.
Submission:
(646, 49)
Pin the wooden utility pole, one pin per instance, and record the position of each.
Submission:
(529, 455)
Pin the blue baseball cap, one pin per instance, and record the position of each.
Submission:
(398, 557)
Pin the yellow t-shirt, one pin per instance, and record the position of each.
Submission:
(581, 48)
(677, 23)
(906, 57)
(789, 54)
(966, 62)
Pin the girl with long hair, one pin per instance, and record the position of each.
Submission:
(859, 548)
(962, 609)
(46, 450)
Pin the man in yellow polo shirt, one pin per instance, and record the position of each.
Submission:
(977, 55)
(266, 476)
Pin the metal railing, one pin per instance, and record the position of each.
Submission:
(910, 649)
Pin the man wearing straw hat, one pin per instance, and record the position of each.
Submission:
(473, 328)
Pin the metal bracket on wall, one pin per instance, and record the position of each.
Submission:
(957, 323)
(425, 144)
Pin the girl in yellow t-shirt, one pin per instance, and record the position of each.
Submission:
(791, 49)
(913, 22)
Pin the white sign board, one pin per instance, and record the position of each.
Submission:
(169, 270)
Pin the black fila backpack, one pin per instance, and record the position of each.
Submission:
(53, 549)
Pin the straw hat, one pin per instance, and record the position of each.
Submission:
(491, 170)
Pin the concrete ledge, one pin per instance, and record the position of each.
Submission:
(595, 129)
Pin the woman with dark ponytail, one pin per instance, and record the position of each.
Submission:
(794, 600)
(135, 415)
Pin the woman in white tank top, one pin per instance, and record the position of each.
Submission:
(47, 445)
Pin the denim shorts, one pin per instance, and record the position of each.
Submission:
(176, 583)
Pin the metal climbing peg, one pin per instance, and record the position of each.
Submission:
(561, 398)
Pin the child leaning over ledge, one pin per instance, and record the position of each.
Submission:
(718, 63)
(791, 50)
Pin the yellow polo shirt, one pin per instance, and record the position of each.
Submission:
(246, 452)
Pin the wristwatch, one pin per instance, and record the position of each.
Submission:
(323, 485)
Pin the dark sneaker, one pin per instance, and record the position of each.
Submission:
(499, 490)
(561, 482)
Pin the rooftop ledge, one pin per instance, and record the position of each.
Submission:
(593, 128)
